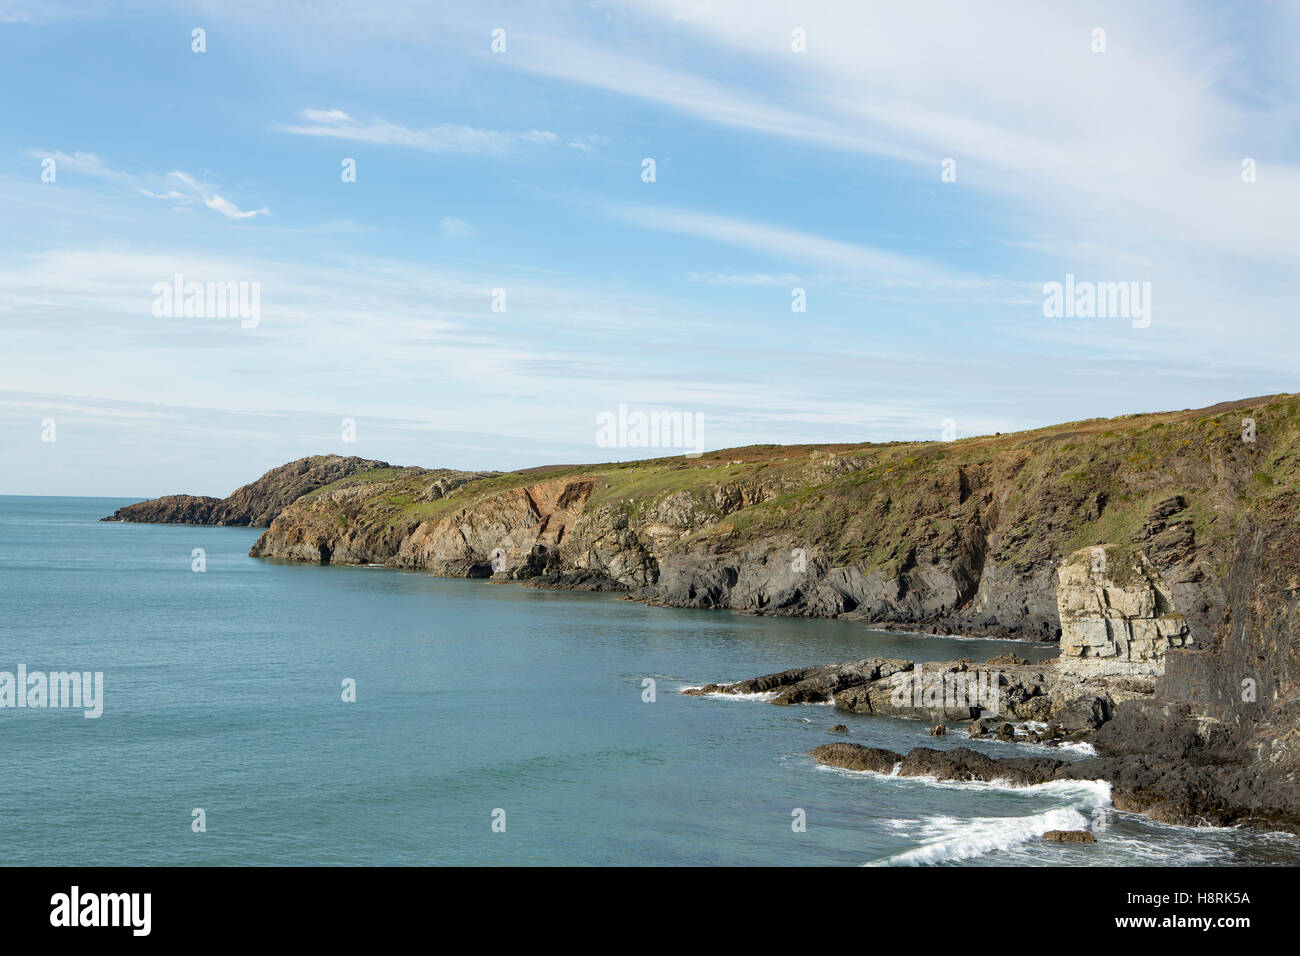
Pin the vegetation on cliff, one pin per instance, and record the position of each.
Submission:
(961, 536)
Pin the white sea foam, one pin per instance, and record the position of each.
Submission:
(762, 695)
(1095, 792)
(949, 840)
(765, 695)
(1078, 747)
(1022, 741)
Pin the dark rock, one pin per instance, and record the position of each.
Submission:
(170, 509)
(938, 730)
(1082, 711)
(961, 763)
(256, 504)
(856, 757)
(1069, 836)
(839, 729)
(818, 684)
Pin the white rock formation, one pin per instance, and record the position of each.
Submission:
(1108, 628)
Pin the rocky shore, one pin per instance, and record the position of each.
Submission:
(1162, 759)
(1005, 696)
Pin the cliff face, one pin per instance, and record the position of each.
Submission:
(1221, 743)
(254, 504)
(967, 536)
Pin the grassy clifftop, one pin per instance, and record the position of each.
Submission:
(1019, 499)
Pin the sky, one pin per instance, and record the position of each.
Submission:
(854, 211)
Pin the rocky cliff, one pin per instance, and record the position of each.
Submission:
(966, 536)
(255, 504)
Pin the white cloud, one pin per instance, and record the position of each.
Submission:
(90, 164)
(860, 261)
(211, 199)
(443, 138)
(1128, 148)
(227, 208)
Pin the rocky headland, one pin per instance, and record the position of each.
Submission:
(255, 504)
(1161, 551)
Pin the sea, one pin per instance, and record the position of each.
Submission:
(257, 712)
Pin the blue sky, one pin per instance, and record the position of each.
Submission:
(522, 170)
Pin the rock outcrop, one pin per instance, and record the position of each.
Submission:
(415, 519)
(1002, 697)
(959, 763)
(812, 685)
(255, 504)
(1108, 627)
(170, 509)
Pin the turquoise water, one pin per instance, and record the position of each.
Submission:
(222, 691)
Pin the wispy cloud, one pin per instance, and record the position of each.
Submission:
(442, 138)
(212, 200)
(150, 185)
(87, 164)
(924, 82)
(750, 279)
(861, 262)
(227, 208)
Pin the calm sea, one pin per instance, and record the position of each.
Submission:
(223, 692)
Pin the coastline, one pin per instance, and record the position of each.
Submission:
(1157, 547)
